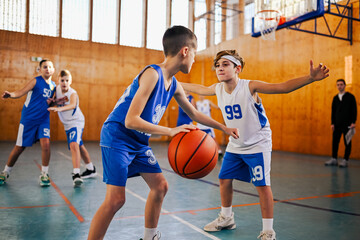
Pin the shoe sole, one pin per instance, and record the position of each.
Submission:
(89, 176)
(44, 184)
(77, 183)
(230, 227)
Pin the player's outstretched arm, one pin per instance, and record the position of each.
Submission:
(316, 74)
(197, 116)
(21, 92)
(199, 89)
(70, 106)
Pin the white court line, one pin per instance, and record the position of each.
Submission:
(162, 209)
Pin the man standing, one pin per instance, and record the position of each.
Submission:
(343, 118)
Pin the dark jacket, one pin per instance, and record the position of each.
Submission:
(344, 112)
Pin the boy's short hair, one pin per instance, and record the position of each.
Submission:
(176, 38)
(64, 73)
(42, 61)
(231, 53)
(341, 80)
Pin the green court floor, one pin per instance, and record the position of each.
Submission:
(311, 201)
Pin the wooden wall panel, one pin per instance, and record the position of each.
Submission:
(101, 73)
(300, 121)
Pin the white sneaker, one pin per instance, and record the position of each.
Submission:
(44, 179)
(3, 176)
(77, 181)
(343, 163)
(221, 223)
(331, 162)
(156, 237)
(267, 235)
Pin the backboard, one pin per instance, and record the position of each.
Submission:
(292, 11)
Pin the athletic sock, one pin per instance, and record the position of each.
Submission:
(226, 211)
(7, 169)
(149, 233)
(76, 170)
(267, 224)
(45, 169)
(90, 166)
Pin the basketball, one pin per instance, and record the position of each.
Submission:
(192, 154)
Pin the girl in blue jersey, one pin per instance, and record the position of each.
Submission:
(248, 157)
(74, 121)
(35, 120)
(126, 132)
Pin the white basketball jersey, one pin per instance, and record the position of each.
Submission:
(240, 110)
(204, 107)
(70, 118)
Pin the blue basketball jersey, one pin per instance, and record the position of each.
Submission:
(153, 112)
(183, 118)
(35, 106)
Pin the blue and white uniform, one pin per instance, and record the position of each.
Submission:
(183, 118)
(126, 152)
(248, 157)
(35, 118)
(73, 120)
(204, 107)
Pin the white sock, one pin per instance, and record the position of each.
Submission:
(90, 166)
(7, 169)
(149, 233)
(76, 170)
(226, 211)
(45, 169)
(267, 224)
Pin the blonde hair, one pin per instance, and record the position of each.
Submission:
(233, 53)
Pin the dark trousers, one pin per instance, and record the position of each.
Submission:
(336, 140)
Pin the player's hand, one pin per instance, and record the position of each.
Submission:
(50, 101)
(318, 73)
(234, 132)
(55, 109)
(353, 125)
(6, 94)
(182, 128)
(332, 127)
(61, 101)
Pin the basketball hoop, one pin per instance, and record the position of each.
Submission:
(267, 22)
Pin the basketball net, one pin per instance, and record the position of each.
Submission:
(267, 22)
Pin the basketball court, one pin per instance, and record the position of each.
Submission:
(104, 48)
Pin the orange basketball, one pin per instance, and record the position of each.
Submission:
(192, 154)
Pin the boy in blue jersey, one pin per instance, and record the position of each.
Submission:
(35, 120)
(125, 134)
(183, 118)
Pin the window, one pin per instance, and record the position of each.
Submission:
(232, 20)
(105, 21)
(76, 19)
(218, 22)
(13, 15)
(44, 17)
(156, 23)
(131, 23)
(249, 13)
(200, 23)
(180, 13)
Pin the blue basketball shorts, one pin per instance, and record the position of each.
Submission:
(124, 163)
(209, 131)
(74, 135)
(253, 168)
(28, 134)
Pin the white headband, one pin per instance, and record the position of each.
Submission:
(231, 58)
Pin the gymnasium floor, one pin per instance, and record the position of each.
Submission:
(312, 201)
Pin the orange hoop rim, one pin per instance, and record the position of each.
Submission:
(267, 11)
